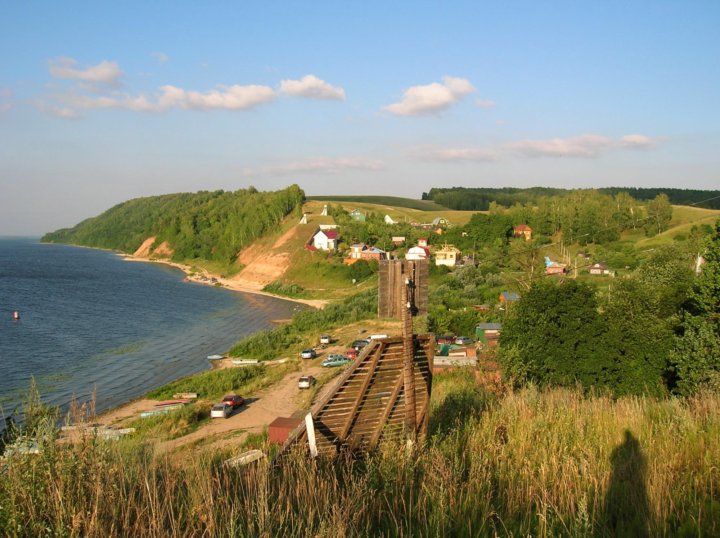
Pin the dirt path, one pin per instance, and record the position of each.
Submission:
(280, 400)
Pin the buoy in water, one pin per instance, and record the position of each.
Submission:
(16, 315)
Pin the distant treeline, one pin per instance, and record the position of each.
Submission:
(479, 199)
(206, 225)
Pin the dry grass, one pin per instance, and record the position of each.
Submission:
(541, 463)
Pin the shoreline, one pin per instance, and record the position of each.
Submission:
(227, 283)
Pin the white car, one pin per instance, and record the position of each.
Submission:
(221, 410)
(325, 339)
(306, 381)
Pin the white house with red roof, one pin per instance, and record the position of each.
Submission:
(418, 253)
(324, 240)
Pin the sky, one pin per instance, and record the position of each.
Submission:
(102, 102)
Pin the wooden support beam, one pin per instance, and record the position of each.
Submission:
(342, 437)
(388, 409)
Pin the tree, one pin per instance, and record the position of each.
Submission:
(659, 215)
(554, 336)
(696, 355)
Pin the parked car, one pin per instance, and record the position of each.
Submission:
(325, 339)
(221, 410)
(308, 354)
(463, 340)
(234, 400)
(359, 344)
(306, 381)
(351, 353)
(335, 360)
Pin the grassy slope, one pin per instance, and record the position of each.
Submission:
(684, 218)
(540, 463)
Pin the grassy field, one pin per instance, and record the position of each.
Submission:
(684, 218)
(533, 462)
(397, 212)
(394, 201)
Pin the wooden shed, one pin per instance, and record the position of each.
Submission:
(280, 428)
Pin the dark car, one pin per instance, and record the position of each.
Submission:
(359, 344)
(308, 354)
(233, 400)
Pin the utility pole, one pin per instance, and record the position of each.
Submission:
(408, 306)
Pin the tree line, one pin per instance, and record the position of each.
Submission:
(203, 225)
(480, 198)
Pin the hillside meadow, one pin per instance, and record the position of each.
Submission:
(555, 462)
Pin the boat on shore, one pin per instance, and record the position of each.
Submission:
(215, 357)
(160, 410)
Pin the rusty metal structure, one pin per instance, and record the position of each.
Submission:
(385, 392)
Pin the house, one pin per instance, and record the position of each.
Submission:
(440, 222)
(488, 333)
(388, 220)
(324, 212)
(360, 251)
(508, 297)
(418, 253)
(422, 242)
(523, 230)
(599, 269)
(554, 268)
(358, 215)
(324, 240)
(456, 357)
(447, 255)
(398, 240)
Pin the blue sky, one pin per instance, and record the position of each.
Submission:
(100, 103)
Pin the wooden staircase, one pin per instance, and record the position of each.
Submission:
(368, 402)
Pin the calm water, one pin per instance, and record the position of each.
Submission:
(91, 320)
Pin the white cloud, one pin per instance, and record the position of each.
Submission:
(485, 103)
(431, 98)
(637, 141)
(486, 154)
(6, 103)
(63, 112)
(107, 73)
(585, 146)
(161, 57)
(234, 97)
(312, 87)
(317, 165)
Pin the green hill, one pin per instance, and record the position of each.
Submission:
(212, 226)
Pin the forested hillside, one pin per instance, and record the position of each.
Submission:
(479, 199)
(206, 225)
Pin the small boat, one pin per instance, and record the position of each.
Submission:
(160, 410)
(215, 357)
(244, 362)
(165, 403)
(186, 395)
(16, 315)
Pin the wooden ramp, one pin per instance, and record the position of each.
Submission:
(368, 402)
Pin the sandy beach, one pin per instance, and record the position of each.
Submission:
(210, 279)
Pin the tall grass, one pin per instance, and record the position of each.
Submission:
(532, 462)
